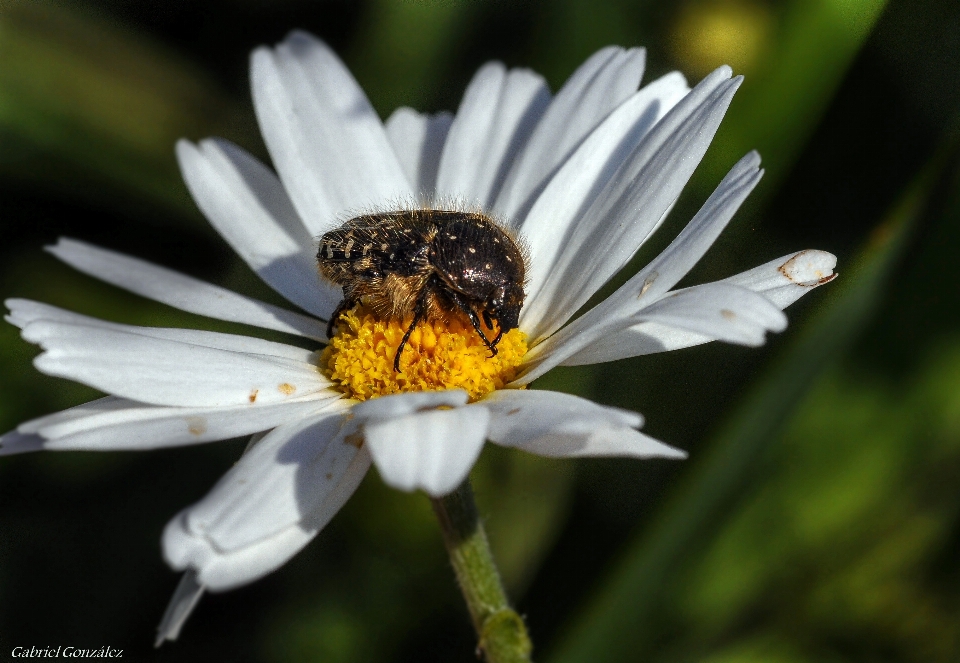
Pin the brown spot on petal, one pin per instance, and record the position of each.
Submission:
(329, 475)
(286, 388)
(197, 425)
(514, 411)
(356, 439)
(728, 314)
(253, 395)
(434, 408)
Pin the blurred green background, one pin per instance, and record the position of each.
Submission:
(818, 518)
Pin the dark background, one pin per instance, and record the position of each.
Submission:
(818, 518)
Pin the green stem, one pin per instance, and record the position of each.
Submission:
(502, 634)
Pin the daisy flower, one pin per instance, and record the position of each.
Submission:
(584, 177)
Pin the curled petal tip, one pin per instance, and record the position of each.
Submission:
(810, 268)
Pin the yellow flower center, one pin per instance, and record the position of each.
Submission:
(438, 355)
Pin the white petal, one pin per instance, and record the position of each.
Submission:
(247, 205)
(673, 263)
(782, 281)
(712, 311)
(418, 140)
(284, 477)
(324, 137)
(641, 339)
(121, 424)
(100, 406)
(268, 506)
(599, 85)
(181, 291)
(610, 316)
(633, 203)
(498, 112)
(184, 600)
(519, 415)
(432, 450)
(168, 372)
(388, 407)
(25, 311)
(582, 177)
(223, 570)
(785, 280)
(719, 310)
(16, 442)
(560, 425)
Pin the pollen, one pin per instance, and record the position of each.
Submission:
(439, 355)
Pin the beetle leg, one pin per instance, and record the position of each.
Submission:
(345, 304)
(419, 313)
(474, 320)
(488, 321)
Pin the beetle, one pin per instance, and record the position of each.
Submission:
(426, 264)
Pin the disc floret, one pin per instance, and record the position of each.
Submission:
(440, 354)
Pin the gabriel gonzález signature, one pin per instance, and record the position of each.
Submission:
(66, 652)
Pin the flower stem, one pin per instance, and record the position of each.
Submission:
(502, 634)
